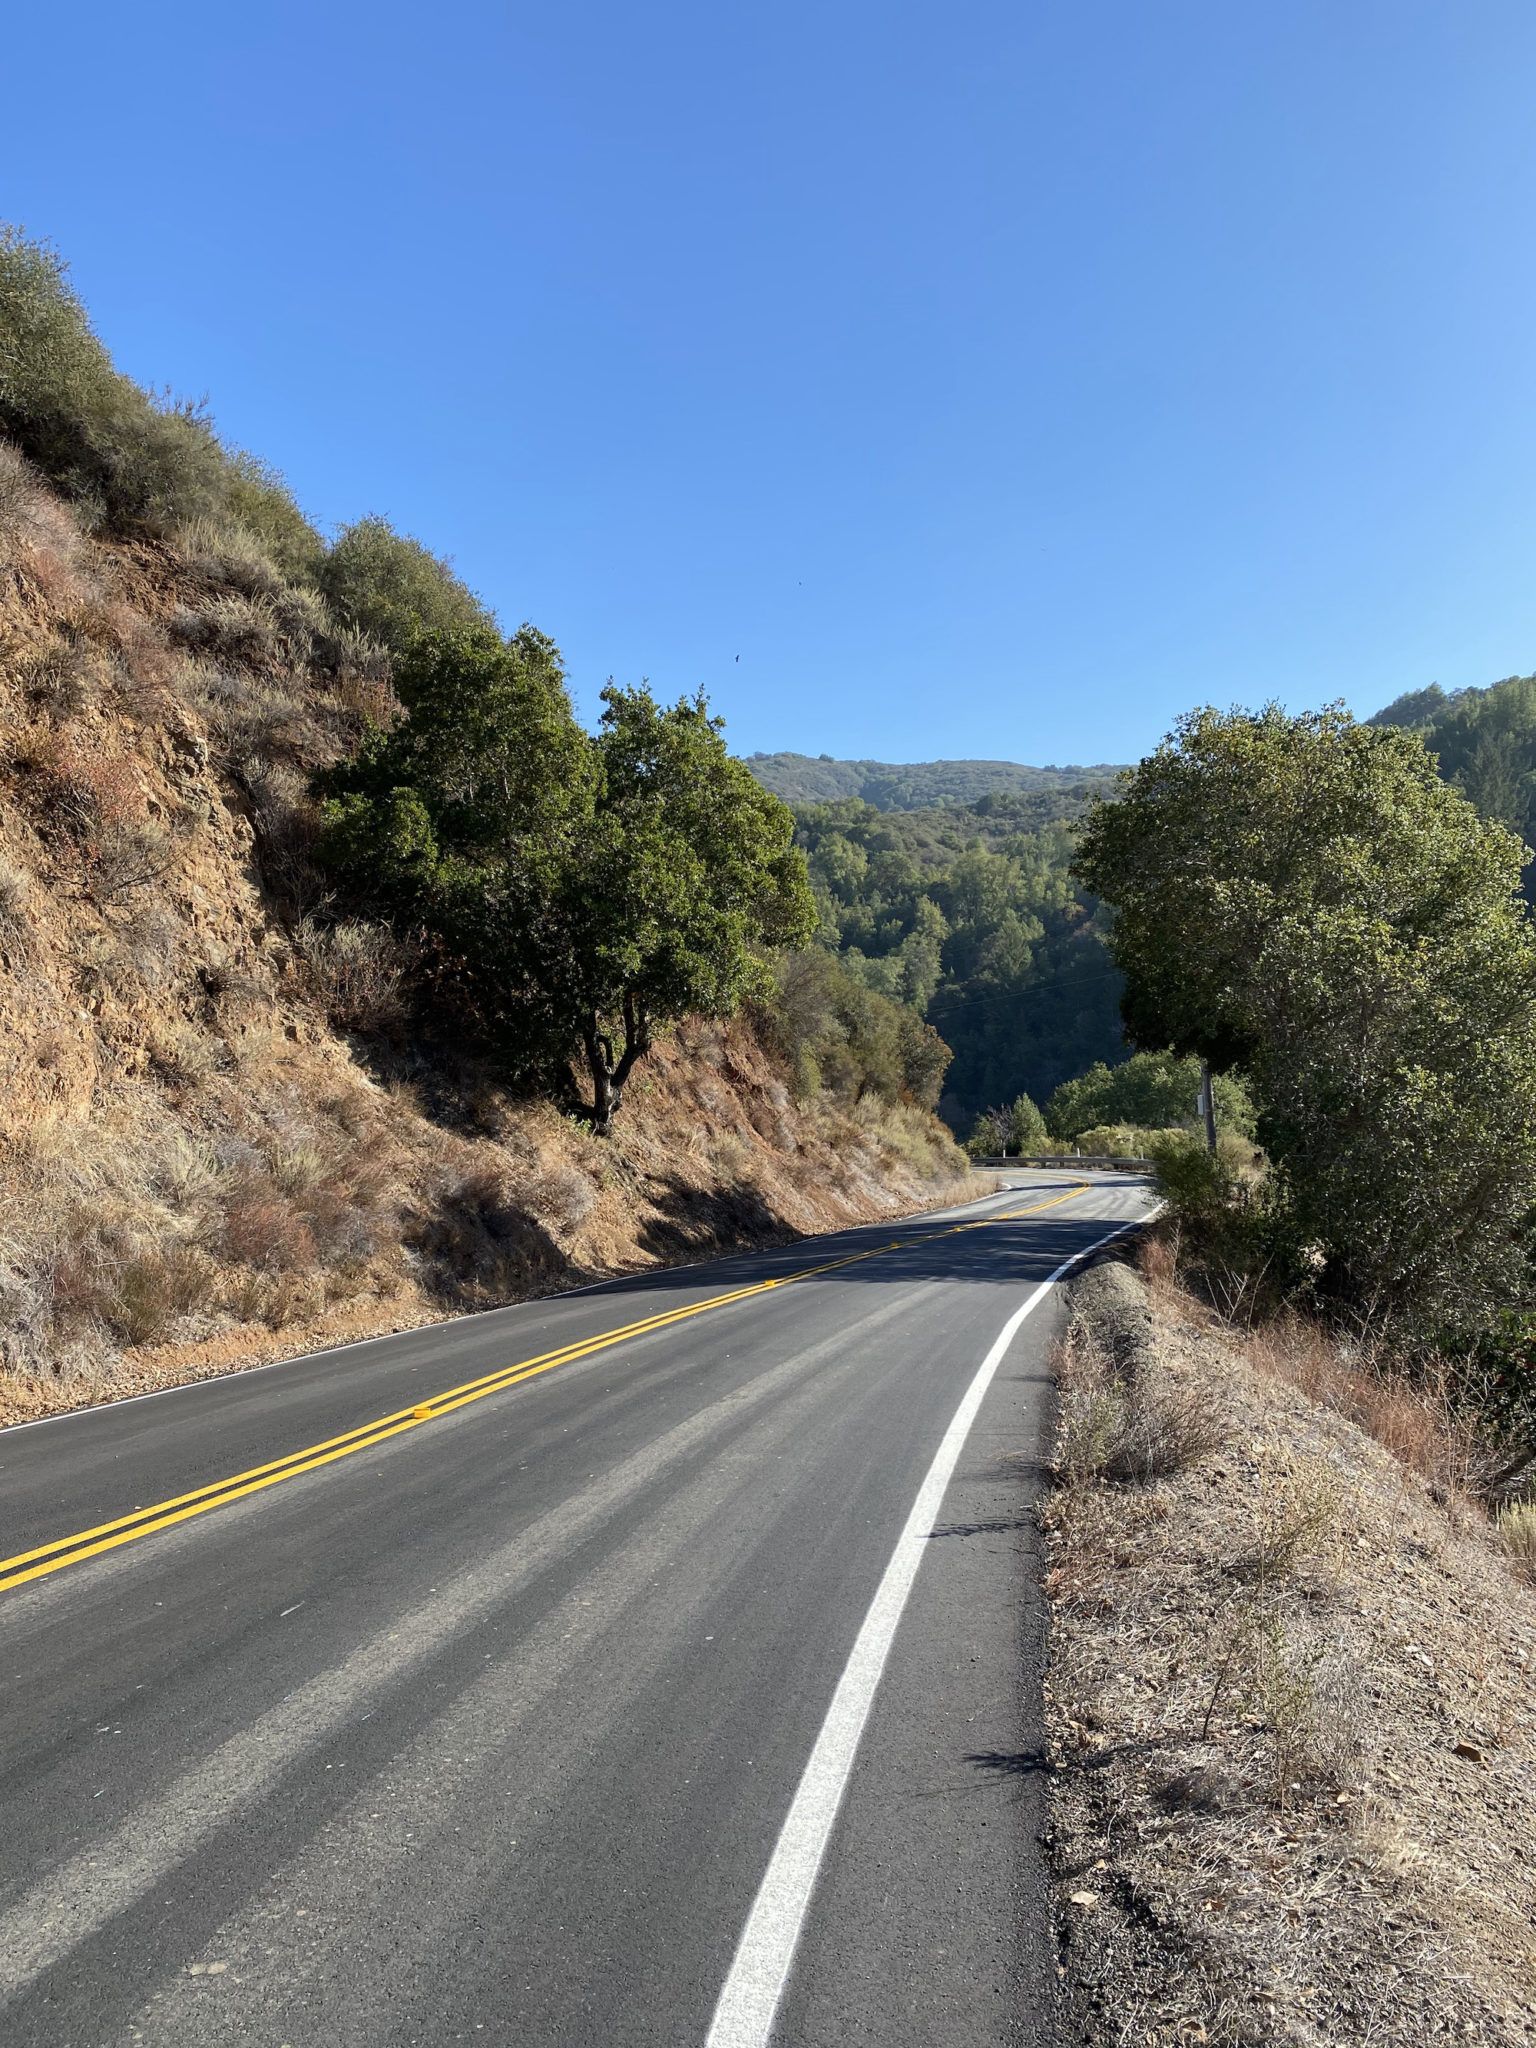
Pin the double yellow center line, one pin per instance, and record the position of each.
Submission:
(68, 1550)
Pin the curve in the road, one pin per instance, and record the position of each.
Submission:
(63, 1551)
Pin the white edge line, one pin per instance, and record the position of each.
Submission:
(501, 1308)
(759, 1970)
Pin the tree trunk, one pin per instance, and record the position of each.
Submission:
(609, 1074)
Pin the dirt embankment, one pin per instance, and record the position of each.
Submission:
(218, 1141)
(1291, 1706)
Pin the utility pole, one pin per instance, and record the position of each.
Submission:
(1206, 1104)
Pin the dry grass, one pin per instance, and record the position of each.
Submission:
(1417, 1419)
(355, 972)
(1118, 1429)
(1517, 1527)
(217, 1142)
(15, 895)
(1299, 1513)
(1290, 1708)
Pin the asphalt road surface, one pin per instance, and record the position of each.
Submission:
(540, 1678)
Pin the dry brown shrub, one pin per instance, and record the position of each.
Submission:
(357, 972)
(560, 1196)
(15, 896)
(81, 1279)
(178, 1051)
(1417, 1421)
(1304, 1695)
(154, 1290)
(64, 677)
(123, 857)
(232, 627)
(368, 699)
(1131, 1427)
(221, 552)
(79, 787)
(276, 1299)
(1157, 1258)
(286, 822)
(481, 1243)
(263, 1230)
(1299, 1513)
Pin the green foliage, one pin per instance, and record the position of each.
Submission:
(580, 891)
(1020, 1128)
(259, 501)
(1305, 897)
(1117, 1141)
(134, 460)
(1154, 1090)
(1413, 708)
(1485, 741)
(389, 587)
(915, 785)
(971, 916)
(841, 1035)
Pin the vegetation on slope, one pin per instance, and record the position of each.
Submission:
(971, 915)
(1485, 744)
(1288, 1702)
(1305, 899)
(240, 1105)
(915, 785)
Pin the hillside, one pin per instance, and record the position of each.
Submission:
(226, 1131)
(970, 913)
(913, 785)
(1485, 742)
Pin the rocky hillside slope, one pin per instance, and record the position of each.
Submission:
(217, 1138)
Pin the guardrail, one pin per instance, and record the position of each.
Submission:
(1066, 1159)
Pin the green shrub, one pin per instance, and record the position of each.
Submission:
(1119, 1141)
(1018, 1128)
(389, 587)
(131, 459)
(839, 1034)
(1196, 1184)
(262, 503)
(1151, 1091)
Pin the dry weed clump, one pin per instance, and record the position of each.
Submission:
(1123, 1420)
(1418, 1419)
(1517, 1527)
(1298, 1513)
(15, 895)
(355, 972)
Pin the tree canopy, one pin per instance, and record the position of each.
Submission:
(1305, 898)
(971, 916)
(579, 891)
(1151, 1091)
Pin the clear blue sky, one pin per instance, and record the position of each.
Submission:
(993, 379)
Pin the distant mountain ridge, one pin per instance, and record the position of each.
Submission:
(912, 785)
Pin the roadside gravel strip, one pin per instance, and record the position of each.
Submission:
(491, 1729)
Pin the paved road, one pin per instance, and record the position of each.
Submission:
(483, 1724)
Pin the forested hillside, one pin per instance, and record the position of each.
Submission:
(971, 915)
(915, 785)
(1485, 742)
